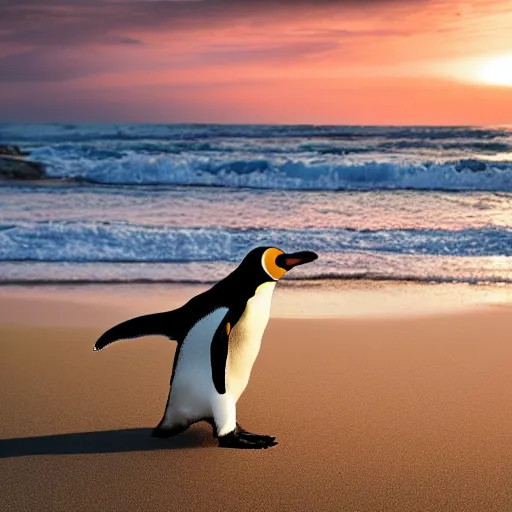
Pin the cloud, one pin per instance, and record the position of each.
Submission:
(49, 64)
(38, 38)
(41, 66)
(129, 40)
(277, 53)
(59, 22)
(208, 55)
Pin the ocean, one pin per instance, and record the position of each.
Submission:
(184, 203)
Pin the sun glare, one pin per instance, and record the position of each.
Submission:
(497, 71)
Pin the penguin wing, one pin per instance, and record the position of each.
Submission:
(174, 324)
(166, 324)
(219, 354)
(219, 349)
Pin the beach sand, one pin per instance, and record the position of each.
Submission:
(409, 413)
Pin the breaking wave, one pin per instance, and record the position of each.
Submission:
(118, 242)
(305, 157)
(280, 173)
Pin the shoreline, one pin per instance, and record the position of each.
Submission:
(295, 299)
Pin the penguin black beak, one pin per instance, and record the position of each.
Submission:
(288, 261)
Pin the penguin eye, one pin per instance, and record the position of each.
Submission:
(269, 264)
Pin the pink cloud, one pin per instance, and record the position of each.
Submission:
(226, 60)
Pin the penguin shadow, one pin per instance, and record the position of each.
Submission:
(107, 441)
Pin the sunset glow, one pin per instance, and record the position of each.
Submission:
(498, 71)
(322, 61)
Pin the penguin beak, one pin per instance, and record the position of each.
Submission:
(288, 261)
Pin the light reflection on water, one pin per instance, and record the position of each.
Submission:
(94, 233)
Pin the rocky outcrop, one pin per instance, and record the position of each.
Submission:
(11, 150)
(13, 165)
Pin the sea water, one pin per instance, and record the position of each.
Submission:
(184, 203)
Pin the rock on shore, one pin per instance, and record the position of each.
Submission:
(13, 165)
(7, 149)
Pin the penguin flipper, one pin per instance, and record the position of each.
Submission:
(165, 324)
(219, 354)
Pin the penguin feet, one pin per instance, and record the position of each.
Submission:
(239, 438)
(251, 436)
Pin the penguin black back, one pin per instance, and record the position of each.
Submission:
(237, 288)
(261, 265)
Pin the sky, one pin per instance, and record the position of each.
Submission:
(377, 62)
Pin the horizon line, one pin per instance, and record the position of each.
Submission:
(199, 123)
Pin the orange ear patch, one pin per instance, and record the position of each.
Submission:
(228, 328)
(269, 263)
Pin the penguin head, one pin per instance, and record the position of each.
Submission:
(271, 263)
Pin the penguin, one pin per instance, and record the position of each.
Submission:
(219, 333)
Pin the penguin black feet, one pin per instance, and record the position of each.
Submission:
(251, 436)
(240, 438)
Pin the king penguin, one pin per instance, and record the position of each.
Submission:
(219, 334)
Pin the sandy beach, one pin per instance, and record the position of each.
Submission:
(408, 413)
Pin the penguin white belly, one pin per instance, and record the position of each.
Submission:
(245, 340)
(192, 391)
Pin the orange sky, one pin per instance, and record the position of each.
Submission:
(241, 61)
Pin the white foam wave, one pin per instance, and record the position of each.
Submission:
(308, 173)
(118, 242)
